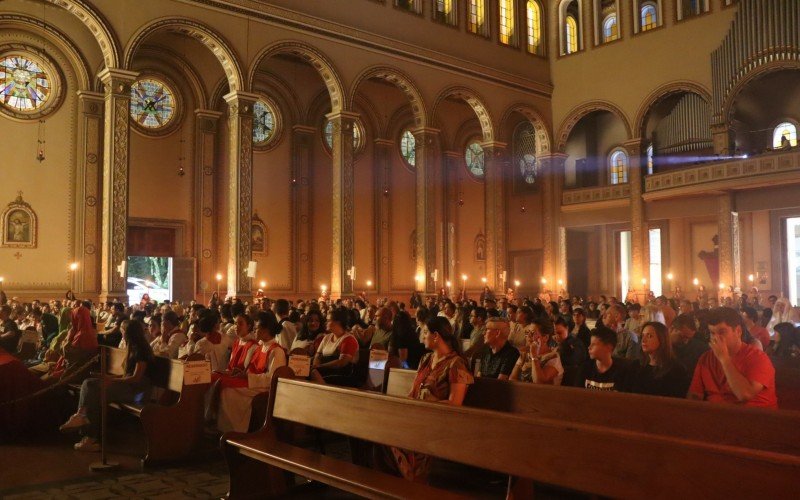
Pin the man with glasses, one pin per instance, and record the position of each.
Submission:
(499, 359)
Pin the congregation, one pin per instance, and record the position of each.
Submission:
(668, 347)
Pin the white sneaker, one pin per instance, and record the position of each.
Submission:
(75, 422)
(87, 444)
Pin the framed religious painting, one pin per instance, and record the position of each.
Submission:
(20, 225)
(258, 236)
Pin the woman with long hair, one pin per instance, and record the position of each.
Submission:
(659, 374)
(335, 360)
(313, 327)
(132, 386)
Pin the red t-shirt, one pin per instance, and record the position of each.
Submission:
(709, 379)
(762, 334)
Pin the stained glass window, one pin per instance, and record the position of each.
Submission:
(610, 28)
(445, 11)
(525, 152)
(649, 17)
(571, 32)
(787, 130)
(357, 134)
(408, 148)
(474, 159)
(152, 103)
(476, 18)
(507, 29)
(650, 163)
(534, 17)
(410, 5)
(618, 167)
(24, 84)
(263, 123)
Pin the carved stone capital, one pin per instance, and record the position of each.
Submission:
(117, 81)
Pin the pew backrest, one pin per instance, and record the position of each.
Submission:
(399, 382)
(611, 461)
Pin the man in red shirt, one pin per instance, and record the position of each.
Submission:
(731, 371)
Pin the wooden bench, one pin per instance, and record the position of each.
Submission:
(173, 422)
(756, 428)
(609, 461)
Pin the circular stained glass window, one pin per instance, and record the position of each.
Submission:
(474, 159)
(25, 84)
(263, 123)
(152, 103)
(357, 135)
(408, 148)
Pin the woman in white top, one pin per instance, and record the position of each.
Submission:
(169, 342)
(540, 362)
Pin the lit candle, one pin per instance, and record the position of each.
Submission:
(219, 276)
(516, 283)
(696, 282)
(751, 278)
(560, 282)
(369, 283)
(263, 284)
(669, 276)
(483, 280)
(722, 286)
(73, 266)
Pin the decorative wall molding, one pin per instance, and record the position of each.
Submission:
(475, 101)
(742, 173)
(577, 113)
(596, 194)
(399, 80)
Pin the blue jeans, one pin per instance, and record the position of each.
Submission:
(116, 392)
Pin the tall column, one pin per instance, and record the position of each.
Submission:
(206, 128)
(729, 247)
(89, 185)
(428, 181)
(551, 168)
(496, 168)
(240, 191)
(301, 180)
(452, 162)
(116, 160)
(383, 170)
(343, 239)
(640, 234)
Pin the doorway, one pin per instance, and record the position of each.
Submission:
(151, 276)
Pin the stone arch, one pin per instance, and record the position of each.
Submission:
(99, 28)
(664, 92)
(57, 38)
(543, 139)
(754, 74)
(402, 82)
(315, 58)
(579, 112)
(475, 102)
(203, 34)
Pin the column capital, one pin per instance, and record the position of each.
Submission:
(208, 114)
(385, 143)
(91, 103)
(452, 155)
(343, 115)
(303, 129)
(113, 75)
(426, 131)
(244, 99)
(494, 145)
(634, 146)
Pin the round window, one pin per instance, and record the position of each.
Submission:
(474, 159)
(153, 104)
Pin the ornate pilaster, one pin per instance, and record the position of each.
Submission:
(240, 190)
(729, 247)
(116, 151)
(496, 172)
(301, 180)
(552, 170)
(722, 136)
(640, 235)
(452, 162)
(343, 240)
(383, 170)
(427, 182)
(205, 220)
(89, 185)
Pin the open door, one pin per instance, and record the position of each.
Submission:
(183, 278)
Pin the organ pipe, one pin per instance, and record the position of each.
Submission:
(762, 31)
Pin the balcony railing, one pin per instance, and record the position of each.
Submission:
(596, 194)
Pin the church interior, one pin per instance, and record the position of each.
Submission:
(281, 229)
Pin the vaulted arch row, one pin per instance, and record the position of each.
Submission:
(388, 183)
(307, 243)
(184, 90)
(532, 202)
(473, 232)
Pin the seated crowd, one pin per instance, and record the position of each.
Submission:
(668, 347)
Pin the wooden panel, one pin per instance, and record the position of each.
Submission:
(570, 454)
(151, 241)
(400, 382)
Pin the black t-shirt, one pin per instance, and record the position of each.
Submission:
(136, 356)
(500, 363)
(572, 351)
(612, 379)
(645, 379)
(688, 354)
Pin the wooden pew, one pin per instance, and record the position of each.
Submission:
(609, 461)
(173, 425)
(756, 428)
